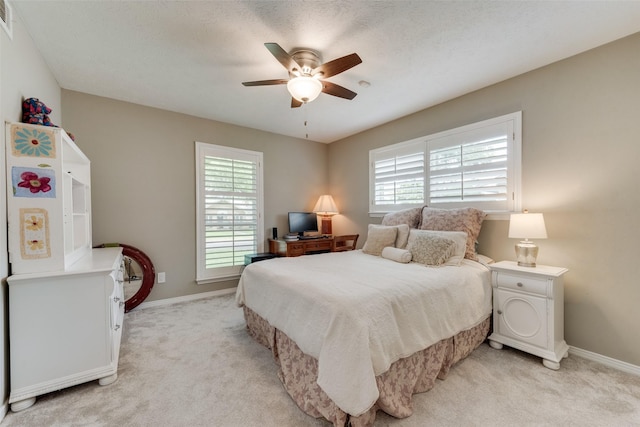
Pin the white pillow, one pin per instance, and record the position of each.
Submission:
(459, 237)
(378, 238)
(396, 254)
(401, 238)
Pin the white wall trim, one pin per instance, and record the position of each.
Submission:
(169, 301)
(4, 409)
(607, 361)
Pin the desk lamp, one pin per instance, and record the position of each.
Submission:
(326, 208)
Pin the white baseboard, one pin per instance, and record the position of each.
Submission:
(169, 301)
(4, 409)
(607, 361)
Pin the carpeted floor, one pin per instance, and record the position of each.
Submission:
(193, 364)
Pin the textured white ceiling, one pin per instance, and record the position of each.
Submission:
(191, 56)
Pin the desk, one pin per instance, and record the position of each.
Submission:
(300, 247)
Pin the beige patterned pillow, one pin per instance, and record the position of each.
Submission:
(410, 216)
(378, 238)
(460, 237)
(468, 220)
(430, 249)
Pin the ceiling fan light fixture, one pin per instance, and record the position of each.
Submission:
(304, 88)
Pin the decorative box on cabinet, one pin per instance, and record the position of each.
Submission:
(48, 199)
(65, 327)
(528, 310)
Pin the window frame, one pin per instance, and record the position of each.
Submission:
(202, 150)
(514, 165)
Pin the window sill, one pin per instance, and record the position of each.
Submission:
(208, 280)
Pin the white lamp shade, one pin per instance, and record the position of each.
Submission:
(326, 206)
(304, 88)
(527, 226)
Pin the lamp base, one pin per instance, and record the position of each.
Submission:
(526, 253)
(326, 224)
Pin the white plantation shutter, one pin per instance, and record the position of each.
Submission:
(471, 167)
(477, 165)
(229, 209)
(398, 176)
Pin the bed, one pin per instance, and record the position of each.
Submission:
(361, 331)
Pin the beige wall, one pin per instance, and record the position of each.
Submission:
(143, 179)
(581, 148)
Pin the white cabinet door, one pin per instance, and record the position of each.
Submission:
(522, 317)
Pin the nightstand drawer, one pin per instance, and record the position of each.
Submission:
(520, 283)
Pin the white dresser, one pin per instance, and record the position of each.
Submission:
(66, 302)
(528, 310)
(65, 327)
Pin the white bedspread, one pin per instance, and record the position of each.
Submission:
(358, 313)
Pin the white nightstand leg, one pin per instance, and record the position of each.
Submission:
(108, 380)
(551, 364)
(495, 344)
(21, 405)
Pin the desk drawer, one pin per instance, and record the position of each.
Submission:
(318, 246)
(295, 249)
(523, 284)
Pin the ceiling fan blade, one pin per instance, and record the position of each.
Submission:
(282, 56)
(337, 90)
(337, 66)
(266, 82)
(295, 103)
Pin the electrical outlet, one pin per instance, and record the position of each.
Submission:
(162, 277)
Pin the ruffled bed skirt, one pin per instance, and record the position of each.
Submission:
(414, 374)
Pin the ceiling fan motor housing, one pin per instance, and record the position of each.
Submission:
(308, 59)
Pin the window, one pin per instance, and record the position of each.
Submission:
(229, 210)
(477, 165)
(397, 174)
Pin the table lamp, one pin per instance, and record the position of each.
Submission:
(326, 208)
(524, 226)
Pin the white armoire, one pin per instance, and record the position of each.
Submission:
(66, 304)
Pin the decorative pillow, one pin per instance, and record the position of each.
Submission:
(378, 238)
(410, 216)
(459, 237)
(403, 236)
(430, 249)
(468, 220)
(397, 255)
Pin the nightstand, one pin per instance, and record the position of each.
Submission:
(528, 310)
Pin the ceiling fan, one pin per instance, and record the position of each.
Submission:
(306, 74)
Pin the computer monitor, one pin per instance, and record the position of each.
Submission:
(299, 222)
